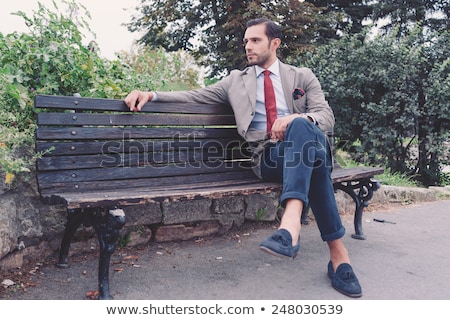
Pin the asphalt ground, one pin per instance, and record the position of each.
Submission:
(407, 259)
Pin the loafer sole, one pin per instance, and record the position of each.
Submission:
(280, 245)
(276, 254)
(351, 295)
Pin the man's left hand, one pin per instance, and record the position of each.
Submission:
(280, 125)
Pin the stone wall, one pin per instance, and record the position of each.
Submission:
(30, 229)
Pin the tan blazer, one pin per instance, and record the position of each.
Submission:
(239, 90)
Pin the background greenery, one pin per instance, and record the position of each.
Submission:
(52, 59)
(389, 90)
(390, 96)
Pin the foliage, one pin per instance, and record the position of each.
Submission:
(388, 177)
(52, 59)
(354, 13)
(388, 92)
(433, 14)
(213, 30)
(163, 71)
(390, 14)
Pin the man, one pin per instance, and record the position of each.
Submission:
(288, 142)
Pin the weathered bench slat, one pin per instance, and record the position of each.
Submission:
(104, 133)
(48, 178)
(134, 145)
(135, 119)
(152, 187)
(354, 174)
(143, 196)
(99, 104)
(82, 188)
(137, 159)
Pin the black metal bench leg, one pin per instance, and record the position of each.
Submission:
(357, 220)
(366, 188)
(305, 218)
(107, 226)
(74, 220)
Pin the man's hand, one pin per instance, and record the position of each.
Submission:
(280, 125)
(136, 99)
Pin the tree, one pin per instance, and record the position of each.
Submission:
(213, 30)
(354, 13)
(391, 94)
(401, 14)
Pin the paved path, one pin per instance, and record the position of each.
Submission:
(406, 260)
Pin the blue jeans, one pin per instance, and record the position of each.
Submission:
(303, 164)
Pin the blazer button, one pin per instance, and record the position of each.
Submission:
(252, 114)
(243, 131)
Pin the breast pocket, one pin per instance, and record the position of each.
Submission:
(299, 104)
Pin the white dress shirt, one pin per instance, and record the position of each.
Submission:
(259, 121)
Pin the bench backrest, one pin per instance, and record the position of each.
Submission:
(97, 144)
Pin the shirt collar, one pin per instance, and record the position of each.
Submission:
(274, 68)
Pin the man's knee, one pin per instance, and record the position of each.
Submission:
(301, 128)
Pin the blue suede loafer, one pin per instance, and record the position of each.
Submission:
(344, 280)
(280, 244)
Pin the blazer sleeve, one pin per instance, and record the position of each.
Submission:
(315, 103)
(216, 93)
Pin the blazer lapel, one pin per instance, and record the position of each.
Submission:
(288, 81)
(249, 79)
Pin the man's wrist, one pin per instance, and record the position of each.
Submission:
(153, 96)
(305, 116)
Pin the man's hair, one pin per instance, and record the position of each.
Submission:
(273, 30)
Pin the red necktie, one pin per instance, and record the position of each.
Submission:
(269, 100)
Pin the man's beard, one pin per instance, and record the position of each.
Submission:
(257, 61)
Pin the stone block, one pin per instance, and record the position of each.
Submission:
(181, 211)
(139, 237)
(186, 232)
(403, 195)
(143, 214)
(234, 205)
(8, 228)
(262, 207)
(344, 202)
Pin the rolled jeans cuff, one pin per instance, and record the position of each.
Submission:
(334, 236)
(293, 195)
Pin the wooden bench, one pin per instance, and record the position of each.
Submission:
(101, 159)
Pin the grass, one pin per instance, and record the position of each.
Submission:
(387, 178)
(395, 179)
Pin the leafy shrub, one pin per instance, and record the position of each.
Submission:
(52, 59)
(391, 93)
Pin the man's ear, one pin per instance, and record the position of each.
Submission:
(276, 42)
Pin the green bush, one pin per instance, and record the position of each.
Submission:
(52, 59)
(390, 93)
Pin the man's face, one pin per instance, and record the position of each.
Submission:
(259, 49)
